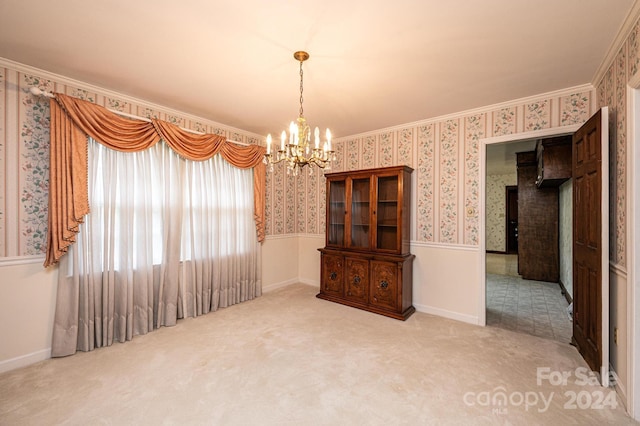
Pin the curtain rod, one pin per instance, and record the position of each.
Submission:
(36, 91)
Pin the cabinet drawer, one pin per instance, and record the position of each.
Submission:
(357, 279)
(332, 274)
(383, 289)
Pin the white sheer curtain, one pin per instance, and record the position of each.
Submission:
(166, 238)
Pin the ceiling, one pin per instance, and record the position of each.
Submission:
(501, 157)
(374, 63)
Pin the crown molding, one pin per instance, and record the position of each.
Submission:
(618, 42)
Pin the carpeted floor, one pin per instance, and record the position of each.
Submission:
(289, 358)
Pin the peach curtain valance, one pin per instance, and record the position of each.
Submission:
(73, 120)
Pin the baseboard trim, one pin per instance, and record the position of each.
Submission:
(312, 283)
(275, 286)
(24, 360)
(619, 387)
(565, 293)
(469, 319)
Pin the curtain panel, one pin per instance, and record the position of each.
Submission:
(167, 238)
(74, 120)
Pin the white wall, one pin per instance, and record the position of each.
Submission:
(280, 257)
(445, 281)
(619, 350)
(566, 235)
(309, 260)
(27, 303)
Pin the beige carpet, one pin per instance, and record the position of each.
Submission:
(289, 358)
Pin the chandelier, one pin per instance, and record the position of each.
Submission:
(296, 149)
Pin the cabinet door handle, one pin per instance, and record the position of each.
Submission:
(357, 279)
(384, 284)
(333, 276)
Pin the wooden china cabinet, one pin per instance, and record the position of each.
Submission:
(366, 262)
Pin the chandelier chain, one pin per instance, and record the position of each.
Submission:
(301, 89)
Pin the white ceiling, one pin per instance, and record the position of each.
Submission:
(501, 157)
(374, 63)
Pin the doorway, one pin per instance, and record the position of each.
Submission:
(526, 306)
(512, 219)
(586, 146)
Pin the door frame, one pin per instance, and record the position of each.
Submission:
(633, 254)
(482, 200)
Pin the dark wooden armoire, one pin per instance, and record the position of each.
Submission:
(540, 173)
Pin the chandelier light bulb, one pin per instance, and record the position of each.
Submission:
(292, 132)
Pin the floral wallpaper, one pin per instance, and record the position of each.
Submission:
(85, 95)
(3, 163)
(537, 115)
(620, 154)
(310, 201)
(426, 176)
(448, 207)
(385, 156)
(496, 209)
(474, 131)
(290, 204)
(405, 147)
(120, 105)
(268, 216)
(338, 164)
(369, 152)
(312, 206)
(575, 109)
(633, 44)
(278, 206)
(504, 121)
(301, 196)
(28, 137)
(612, 92)
(34, 165)
(609, 99)
(322, 203)
(353, 156)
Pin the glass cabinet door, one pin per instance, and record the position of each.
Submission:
(387, 213)
(336, 213)
(360, 212)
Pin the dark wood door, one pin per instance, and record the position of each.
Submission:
(512, 219)
(590, 281)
